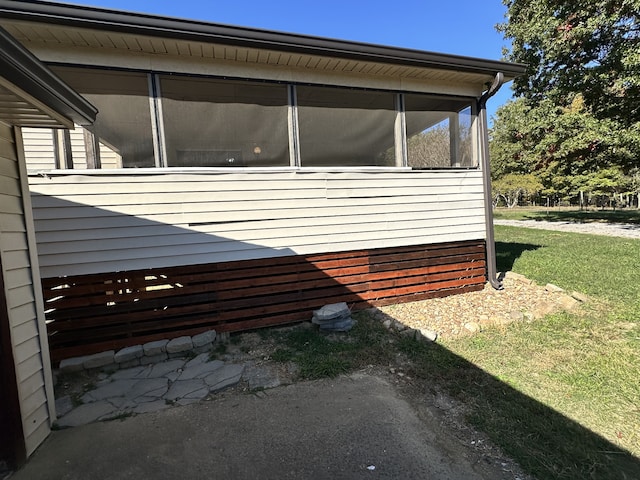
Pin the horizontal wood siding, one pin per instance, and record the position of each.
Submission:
(19, 291)
(91, 313)
(104, 223)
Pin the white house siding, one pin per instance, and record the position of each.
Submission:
(104, 223)
(39, 148)
(21, 297)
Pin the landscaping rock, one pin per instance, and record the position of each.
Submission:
(204, 338)
(569, 303)
(518, 278)
(473, 327)
(155, 348)
(129, 353)
(330, 312)
(409, 332)
(544, 308)
(97, 360)
(427, 335)
(581, 297)
(335, 317)
(550, 287)
(179, 345)
(69, 365)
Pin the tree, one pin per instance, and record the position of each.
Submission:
(591, 48)
(513, 187)
(562, 146)
(577, 111)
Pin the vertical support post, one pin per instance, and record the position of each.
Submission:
(62, 146)
(157, 124)
(92, 149)
(292, 123)
(400, 132)
(454, 139)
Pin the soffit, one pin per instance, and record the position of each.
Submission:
(16, 110)
(31, 95)
(33, 34)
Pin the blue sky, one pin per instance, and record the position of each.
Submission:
(462, 27)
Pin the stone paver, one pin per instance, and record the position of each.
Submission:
(184, 388)
(87, 413)
(200, 370)
(162, 369)
(151, 388)
(118, 388)
(148, 387)
(224, 377)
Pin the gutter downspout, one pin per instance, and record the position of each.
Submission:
(486, 177)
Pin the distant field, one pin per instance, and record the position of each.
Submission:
(556, 214)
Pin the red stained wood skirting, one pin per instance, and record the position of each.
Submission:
(92, 313)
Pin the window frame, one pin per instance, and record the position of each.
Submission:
(295, 159)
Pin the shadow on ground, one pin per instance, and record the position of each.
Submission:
(507, 253)
(586, 216)
(545, 443)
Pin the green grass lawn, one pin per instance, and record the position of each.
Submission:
(568, 214)
(539, 378)
(560, 395)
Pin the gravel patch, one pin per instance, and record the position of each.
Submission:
(627, 230)
(469, 313)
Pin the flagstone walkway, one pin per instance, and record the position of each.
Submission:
(156, 387)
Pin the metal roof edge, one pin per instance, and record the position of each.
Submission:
(155, 25)
(25, 71)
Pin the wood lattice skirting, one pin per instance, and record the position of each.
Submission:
(92, 313)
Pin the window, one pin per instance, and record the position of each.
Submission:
(220, 123)
(440, 132)
(345, 127)
(123, 124)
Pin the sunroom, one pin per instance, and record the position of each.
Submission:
(236, 178)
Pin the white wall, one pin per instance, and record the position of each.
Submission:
(39, 150)
(108, 222)
(31, 361)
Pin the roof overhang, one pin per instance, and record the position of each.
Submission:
(32, 95)
(129, 23)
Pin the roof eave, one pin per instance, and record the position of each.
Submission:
(153, 25)
(23, 70)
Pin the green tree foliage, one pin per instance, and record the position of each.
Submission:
(576, 119)
(590, 47)
(513, 187)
